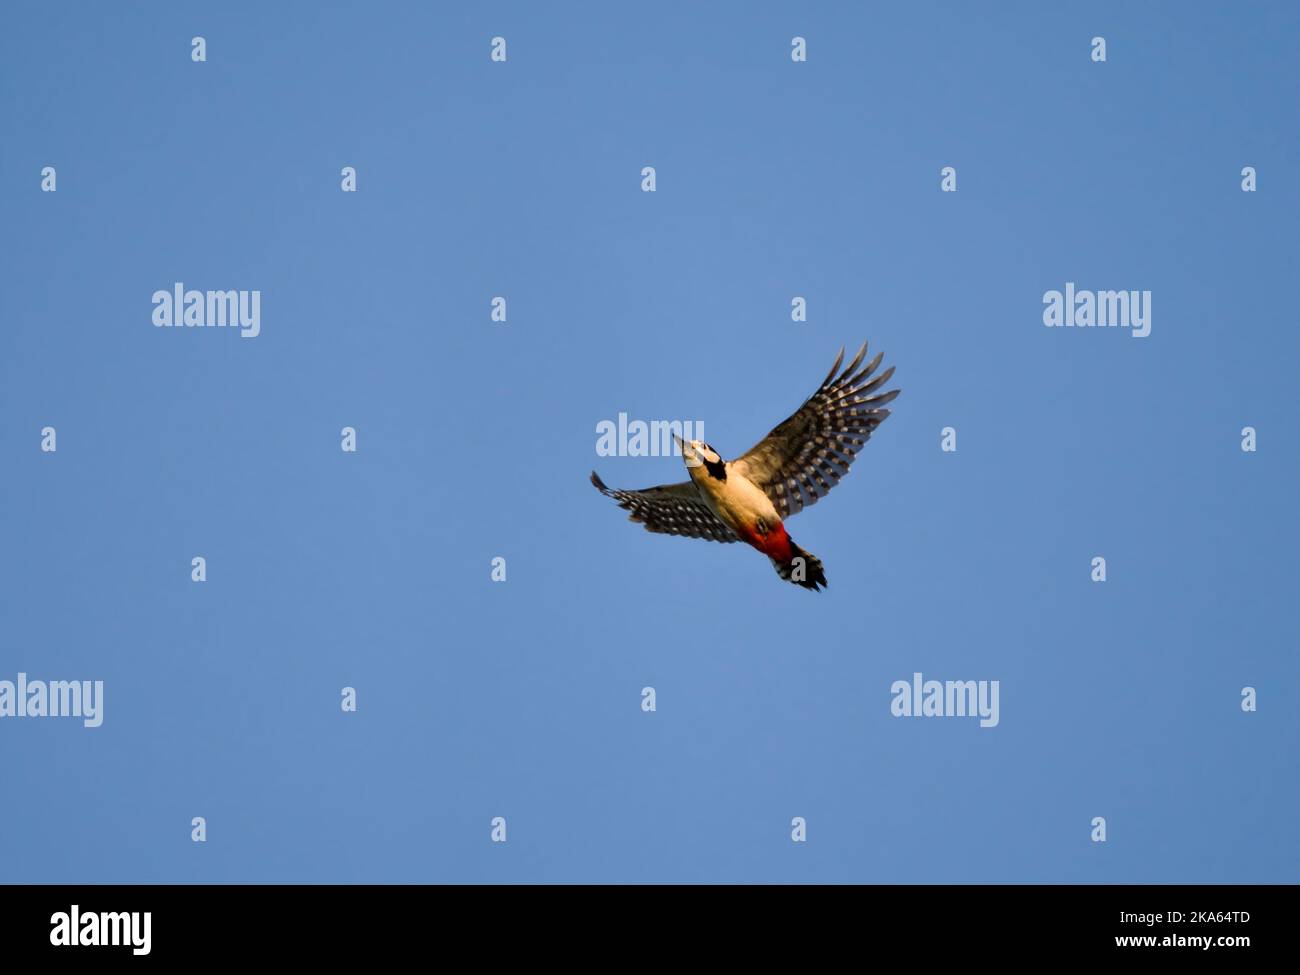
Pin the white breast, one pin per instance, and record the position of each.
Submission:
(739, 502)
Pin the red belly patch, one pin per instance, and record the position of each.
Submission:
(775, 544)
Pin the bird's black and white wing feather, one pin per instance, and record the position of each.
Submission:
(670, 509)
(802, 459)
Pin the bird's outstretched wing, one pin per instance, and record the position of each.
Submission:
(671, 509)
(802, 459)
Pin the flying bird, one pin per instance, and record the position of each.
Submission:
(748, 499)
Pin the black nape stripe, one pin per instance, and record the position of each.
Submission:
(717, 471)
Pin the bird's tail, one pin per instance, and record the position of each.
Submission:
(803, 569)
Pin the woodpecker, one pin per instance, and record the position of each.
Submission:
(792, 468)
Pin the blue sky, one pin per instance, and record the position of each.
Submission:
(522, 699)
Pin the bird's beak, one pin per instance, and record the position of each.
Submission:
(688, 455)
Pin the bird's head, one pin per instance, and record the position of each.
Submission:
(698, 454)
